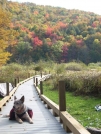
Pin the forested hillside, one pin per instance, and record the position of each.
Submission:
(53, 33)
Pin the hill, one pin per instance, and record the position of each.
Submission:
(53, 33)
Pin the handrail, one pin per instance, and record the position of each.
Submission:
(69, 123)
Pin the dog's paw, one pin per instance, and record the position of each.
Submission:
(20, 121)
(31, 122)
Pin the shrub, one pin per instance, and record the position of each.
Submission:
(73, 66)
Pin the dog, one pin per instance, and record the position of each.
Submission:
(20, 111)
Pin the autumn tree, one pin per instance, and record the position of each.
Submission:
(5, 36)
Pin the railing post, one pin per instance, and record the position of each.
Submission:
(15, 82)
(41, 87)
(41, 74)
(36, 81)
(62, 102)
(33, 79)
(7, 88)
(62, 97)
(18, 79)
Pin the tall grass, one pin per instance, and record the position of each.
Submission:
(11, 71)
(79, 78)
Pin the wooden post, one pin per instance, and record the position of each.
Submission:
(15, 82)
(33, 79)
(7, 88)
(41, 87)
(36, 81)
(18, 79)
(41, 74)
(62, 102)
(62, 97)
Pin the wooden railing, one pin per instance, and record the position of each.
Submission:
(69, 123)
(16, 85)
(10, 94)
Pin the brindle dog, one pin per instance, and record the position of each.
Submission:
(21, 110)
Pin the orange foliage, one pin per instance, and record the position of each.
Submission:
(31, 34)
(46, 15)
(36, 13)
(61, 25)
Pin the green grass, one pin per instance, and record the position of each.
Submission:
(81, 108)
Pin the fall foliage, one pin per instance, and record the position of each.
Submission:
(53, 33)
(7, 35)
(4, 36)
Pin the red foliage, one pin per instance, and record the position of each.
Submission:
(25, 29)
(49, 31)
(79, 42)
(46, 15)
(62, 25)
(94, 24)
(37, 42)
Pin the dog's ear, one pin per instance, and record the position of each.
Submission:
(22, 99)
(15, 98)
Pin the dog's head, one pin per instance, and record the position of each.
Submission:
(18, 103)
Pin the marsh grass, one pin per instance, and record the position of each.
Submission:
(11, 71)
(84, 82)
(82, 108)
(76, 66)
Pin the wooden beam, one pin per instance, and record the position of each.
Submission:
(36, 81)
(7, 88)
(15, 82)
(62, 97)
(72, 124)
(41, 87)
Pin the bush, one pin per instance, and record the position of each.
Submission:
(73, 66)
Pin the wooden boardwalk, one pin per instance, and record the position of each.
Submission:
(44, 121)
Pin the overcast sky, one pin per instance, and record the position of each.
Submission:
(86, 5)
